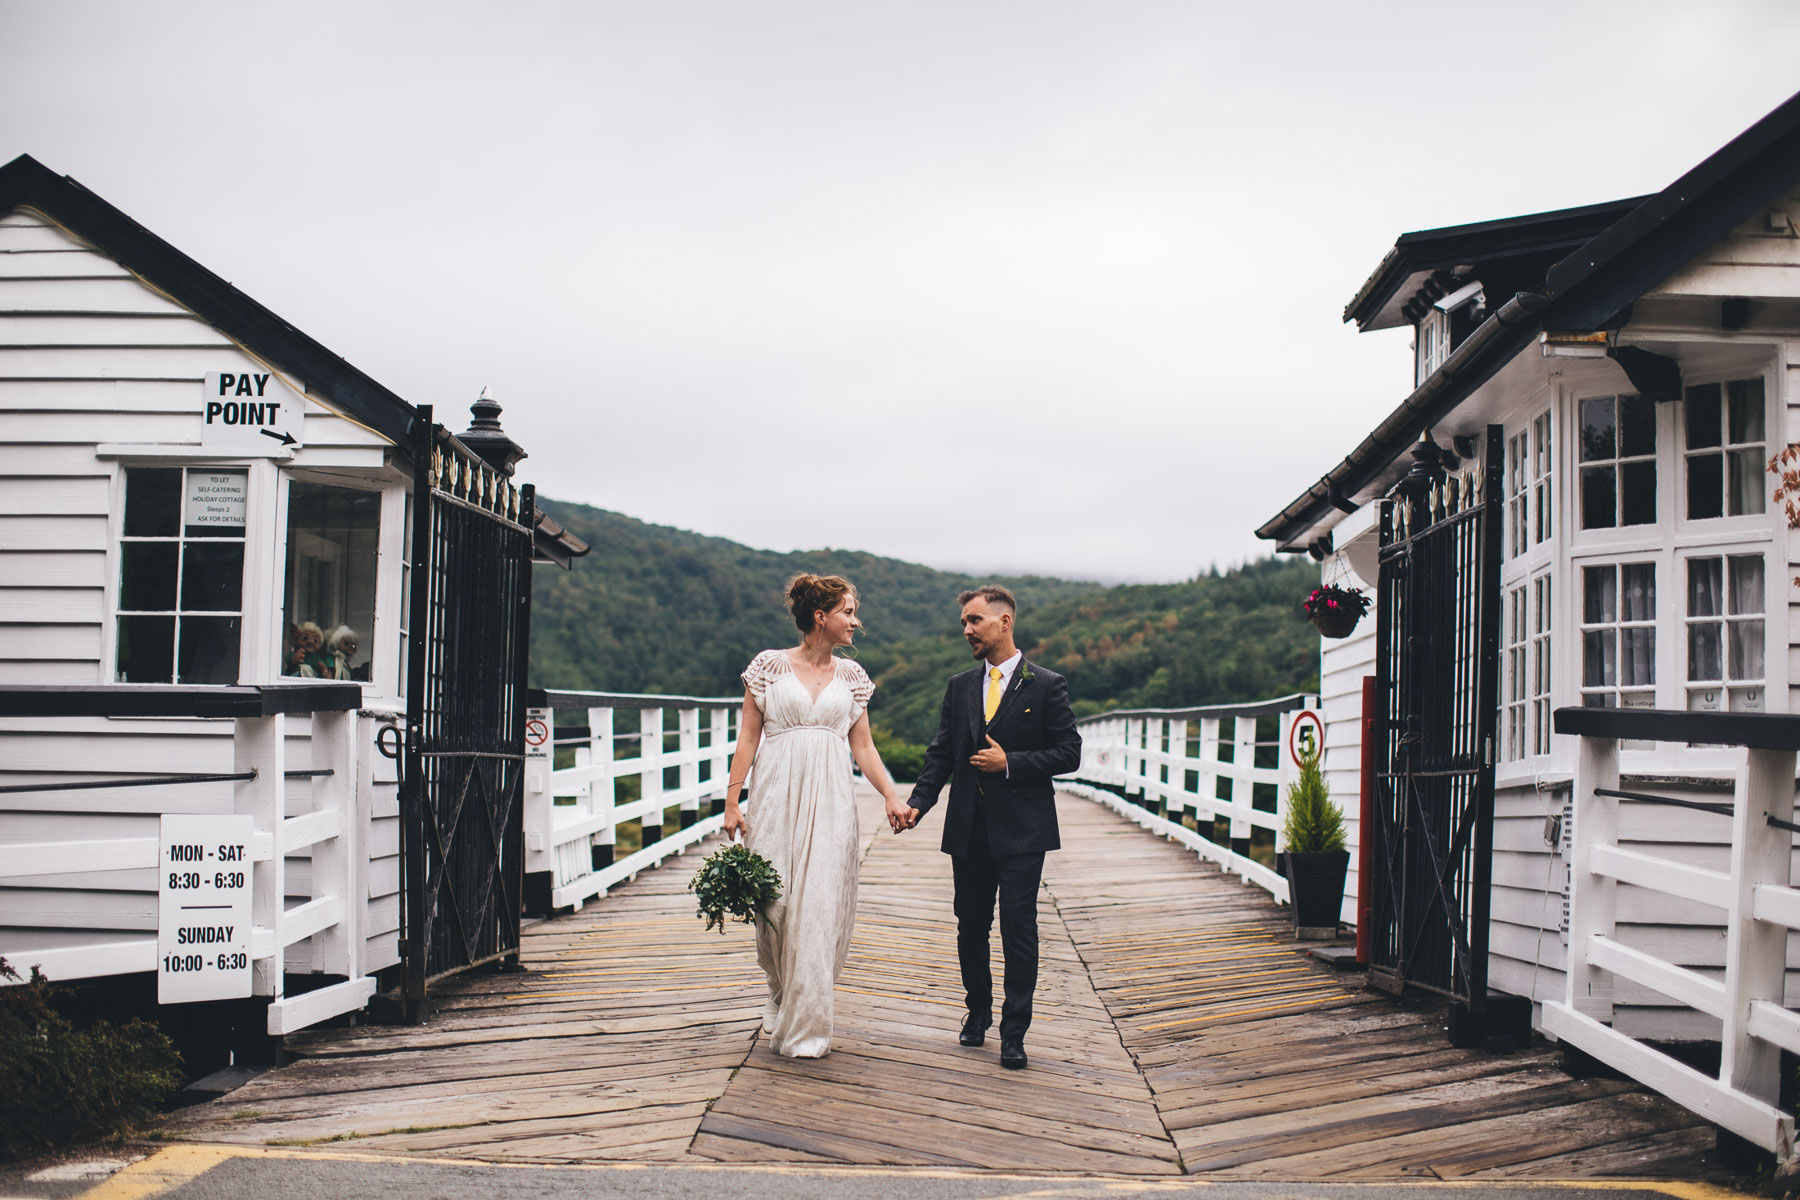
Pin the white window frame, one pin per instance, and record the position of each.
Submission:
(1669, 542)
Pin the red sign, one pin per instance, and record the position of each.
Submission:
(537, 731)
(1306, 735)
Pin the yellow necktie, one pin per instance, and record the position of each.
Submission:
(993, 693)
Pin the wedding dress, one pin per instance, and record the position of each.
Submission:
(803, 820)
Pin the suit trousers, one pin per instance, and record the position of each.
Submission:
(1014, 878)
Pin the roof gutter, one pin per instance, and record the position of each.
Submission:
(1491, 346)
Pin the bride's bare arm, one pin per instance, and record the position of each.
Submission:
(862, 749)
(750, 725)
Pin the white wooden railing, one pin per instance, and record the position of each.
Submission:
(1155, 765)
(1756, 895)
(334, 913)
(573, 813)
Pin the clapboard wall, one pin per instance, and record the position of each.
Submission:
(100, 370)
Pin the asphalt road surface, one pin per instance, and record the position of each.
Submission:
(191, 1172)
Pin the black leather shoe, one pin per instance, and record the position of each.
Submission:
(1012, 1053)
(974, 1030)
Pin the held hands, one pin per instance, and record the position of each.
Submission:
(991, 759)
(901, 816)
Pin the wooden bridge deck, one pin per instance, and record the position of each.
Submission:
(1177, 1030)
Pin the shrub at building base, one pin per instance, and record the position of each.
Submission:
(60, 1084)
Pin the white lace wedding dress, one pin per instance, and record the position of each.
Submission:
(803, 820)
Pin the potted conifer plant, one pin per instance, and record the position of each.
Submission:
(1315, 861)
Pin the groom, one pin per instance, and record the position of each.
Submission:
(1005, 729)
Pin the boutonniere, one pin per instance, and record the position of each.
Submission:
(1025, 675)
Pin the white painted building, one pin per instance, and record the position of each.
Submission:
(1640, 360)
(193, 494)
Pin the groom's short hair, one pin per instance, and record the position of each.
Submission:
(993, 593)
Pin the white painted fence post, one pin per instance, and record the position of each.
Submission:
(258, 744)
(1592, 898)
(336, 949)
(720, 745)
(1178, 769)
(602, 793)
(688, 720)
(650, 726)
(1756, 951)
(1243, 792)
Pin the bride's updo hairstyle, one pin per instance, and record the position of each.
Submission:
(810, 594)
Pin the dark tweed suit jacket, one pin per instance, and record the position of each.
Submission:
(1036, 727)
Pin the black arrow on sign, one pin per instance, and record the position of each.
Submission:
(286, 439)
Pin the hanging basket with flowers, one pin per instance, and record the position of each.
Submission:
(1335, 609)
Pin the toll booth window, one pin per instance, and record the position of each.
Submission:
(329, 613)
(181, 575)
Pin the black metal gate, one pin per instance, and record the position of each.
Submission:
(463, 764)
(1438, 663)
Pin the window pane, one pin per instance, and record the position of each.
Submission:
(1706, 487)
(1706, 589)
(1746, 482)
(1746, 583)
(1597, 433)
(1542, 507)
(331, 563)
(212, 577)
(1703, 416)
(147, 577)
(1637, 493)
(1638, 591)
(1704, 652)
(209, 650)
(146, 649)
(1746, 410)
(1637, 426)
(1746, 649)
(152, 501)
(1598, 507)
(1600, 604)
(1637, 657)
(1597, 666)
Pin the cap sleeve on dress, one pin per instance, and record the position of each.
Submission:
(761, 672)
(861, 686)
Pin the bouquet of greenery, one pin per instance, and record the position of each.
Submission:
(735, 882)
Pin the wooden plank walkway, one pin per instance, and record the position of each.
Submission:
(1177, 1030)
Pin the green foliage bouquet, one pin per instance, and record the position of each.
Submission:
(1314, 824)
(735, 882)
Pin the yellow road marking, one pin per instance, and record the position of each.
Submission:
(176, 1165)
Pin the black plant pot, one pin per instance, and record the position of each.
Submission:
(1316, 891)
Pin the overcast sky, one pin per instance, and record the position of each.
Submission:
(991, 286)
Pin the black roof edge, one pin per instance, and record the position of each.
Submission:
(27, 183)
(551, 542)
(1585, 290)
(1429, 249)
(1508, 330)
(1590, 286)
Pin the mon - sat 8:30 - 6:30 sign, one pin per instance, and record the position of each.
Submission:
(249, 409)
(204, 881)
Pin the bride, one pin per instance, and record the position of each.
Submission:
(805, 717)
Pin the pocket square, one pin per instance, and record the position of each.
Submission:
(1028, 710)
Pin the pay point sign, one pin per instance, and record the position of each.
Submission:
(248, 409)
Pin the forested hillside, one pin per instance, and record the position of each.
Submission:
(658, 609)
(651, 608)
(1233, 636)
